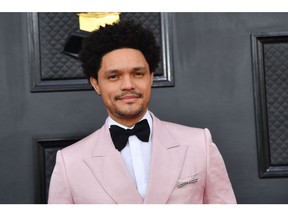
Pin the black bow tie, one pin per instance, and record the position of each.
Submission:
(120, 135)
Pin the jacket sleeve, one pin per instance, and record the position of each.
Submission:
(59, 190)
(218, 188)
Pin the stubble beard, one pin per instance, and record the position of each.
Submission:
(129, 113)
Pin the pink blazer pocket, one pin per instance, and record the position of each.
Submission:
(187, 180)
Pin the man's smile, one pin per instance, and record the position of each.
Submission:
(129, 97)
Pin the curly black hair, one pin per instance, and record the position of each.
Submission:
(122, 34)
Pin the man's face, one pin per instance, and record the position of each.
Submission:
(124, 82)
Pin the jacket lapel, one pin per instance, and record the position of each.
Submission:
(109, 169)
(166, 164)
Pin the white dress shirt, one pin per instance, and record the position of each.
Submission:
(137, 156)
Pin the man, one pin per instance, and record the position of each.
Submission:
(163, 163)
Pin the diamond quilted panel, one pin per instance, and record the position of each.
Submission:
(50, 158)
(54, 30)
(151, 20)
(276, 78)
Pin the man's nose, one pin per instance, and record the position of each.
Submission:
(127, 83)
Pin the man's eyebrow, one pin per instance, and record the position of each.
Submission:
(139, 68)
(112, 72)
(109, 71)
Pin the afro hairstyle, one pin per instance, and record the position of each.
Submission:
(122, 34)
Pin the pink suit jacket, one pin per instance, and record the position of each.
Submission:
(186, 168)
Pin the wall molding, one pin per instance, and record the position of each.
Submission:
(163, 77)
(46, 155)
(269, 54)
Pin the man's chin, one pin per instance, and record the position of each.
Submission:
(129, 113)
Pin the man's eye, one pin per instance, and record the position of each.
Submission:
(113, 77)
(139, 74)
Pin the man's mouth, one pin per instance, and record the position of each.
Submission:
(129, 97)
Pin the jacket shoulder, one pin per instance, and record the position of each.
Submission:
(178, 128)
(83, 146)
(186, 134)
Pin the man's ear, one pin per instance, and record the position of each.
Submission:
(95, 85)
